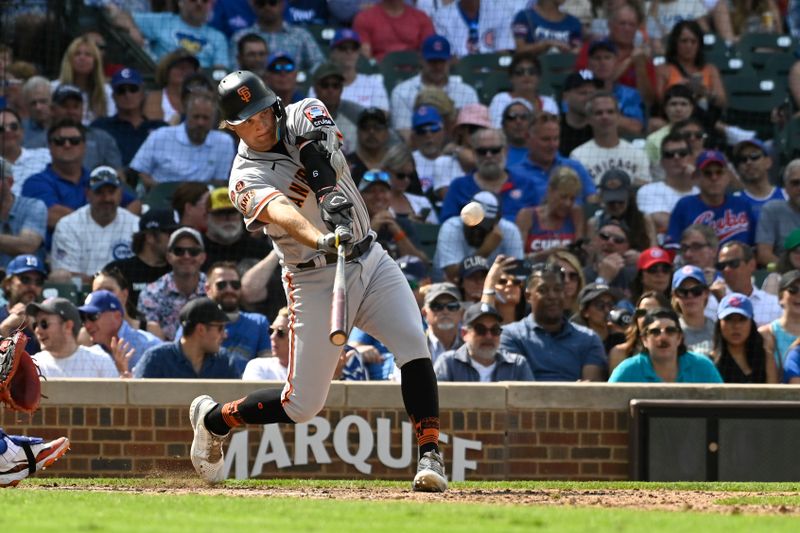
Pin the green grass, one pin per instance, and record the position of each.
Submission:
(66, 507)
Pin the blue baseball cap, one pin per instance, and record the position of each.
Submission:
(280, 56)
(25, 263)
(426, 114)
(100, 302)
(345, 35)
(749, 142)
(707, 157)
(103, 175)
(603, 44)
(688, 272)
(372, 177)
(127, 76)
(436, 47)
(735, 303)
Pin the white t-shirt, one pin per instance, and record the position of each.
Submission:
(421, 203)
(624, 156)
(659, 197)
(85, 362)
(500, 103)
(81, 245)
(265, 369)
(425, 170)
(485, 372)
(30, 161)
(367, 90)
(446, 168)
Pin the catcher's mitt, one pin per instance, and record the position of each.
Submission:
(20, 388)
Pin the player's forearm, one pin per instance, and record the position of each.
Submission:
(281, 212)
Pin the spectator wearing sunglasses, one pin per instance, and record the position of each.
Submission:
(657, 200)
(103, 319)
(436, 57)
(524, 73)
(22, 284)
(272, 366)
(374, 140)
(428, 138)
(679, 105)
(664, 358)
(653, 272)
(23, 161)
(632, 344)
(281, 77)
(247, 335)
(24, 220)
(198, 354)
(225, 237)
(480, 358)
(129, 127)
(738, 346)
(556, 349)
(515, 191)
(781, 335)
(96, 234)
(366, 90)
(56, 322)
(753, 164)
(690, 298)
(502, 287)
(399, 164)
(442, 311)
(162, 300)
(737, 263)
(613, 262)
(596, 302)
(730, 216)
(516, 117)
(281, 35)
(779, 218)
(618, 197)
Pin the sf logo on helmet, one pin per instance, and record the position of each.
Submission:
(244, 93)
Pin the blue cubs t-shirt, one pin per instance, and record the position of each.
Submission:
(757, 203)
(733, 220)
(532, 27)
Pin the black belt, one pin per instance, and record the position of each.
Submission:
(357, 250)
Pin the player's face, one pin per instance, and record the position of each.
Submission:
(259, 132)
(225, 288)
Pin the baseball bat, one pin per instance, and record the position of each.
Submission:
(338, 334)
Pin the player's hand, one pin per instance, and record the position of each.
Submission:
(335, 209)
(329, 242)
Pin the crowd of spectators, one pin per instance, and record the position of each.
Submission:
(629, 230)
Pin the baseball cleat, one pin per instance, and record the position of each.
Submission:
(430, 474)
(24, 456)
(206, 453)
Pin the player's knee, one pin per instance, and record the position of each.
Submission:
(303, 413)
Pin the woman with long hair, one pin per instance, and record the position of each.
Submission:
(648, 301)
(619, 203)
(557, 221)
(690, 295)
(82, 66)
(686, 64)
(573, 278)
(399, 164)
(653, 273)
(596, 302)
(166, 103)
(780, 334)
(738, 347)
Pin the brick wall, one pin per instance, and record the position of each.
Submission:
(532, 431)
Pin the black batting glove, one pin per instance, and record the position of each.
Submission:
(335, 209)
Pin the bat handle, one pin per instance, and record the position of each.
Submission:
(338, 333)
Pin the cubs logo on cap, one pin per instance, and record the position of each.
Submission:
(735, 304)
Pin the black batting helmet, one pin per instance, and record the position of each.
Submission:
(242, 94)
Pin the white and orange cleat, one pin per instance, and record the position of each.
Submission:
(21, 457)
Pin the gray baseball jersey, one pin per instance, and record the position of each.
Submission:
(257, 178)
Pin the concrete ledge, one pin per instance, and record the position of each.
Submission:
(370, 395)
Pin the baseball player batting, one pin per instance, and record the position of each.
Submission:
(291, 179)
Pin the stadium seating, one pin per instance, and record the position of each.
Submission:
(399, 66)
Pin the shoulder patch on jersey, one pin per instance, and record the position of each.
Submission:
(318, 116)
(239, 186)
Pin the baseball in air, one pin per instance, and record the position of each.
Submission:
(472, 214)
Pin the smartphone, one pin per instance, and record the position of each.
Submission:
(520, 269)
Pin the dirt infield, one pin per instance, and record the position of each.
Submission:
(658, 499)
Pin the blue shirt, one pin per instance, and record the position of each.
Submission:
(692, 368)
(540, 176)
(532, 27)
(26, 214)
(376, 371)
(515, 155)
(140, 341)
(791, 367)
(169, 155)
(166, 32)
(554, 357)
(230, 16)
(167, 361)
(733, 220)
(757, 203)
(518, 192)
(52, 189)
(630, 102)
